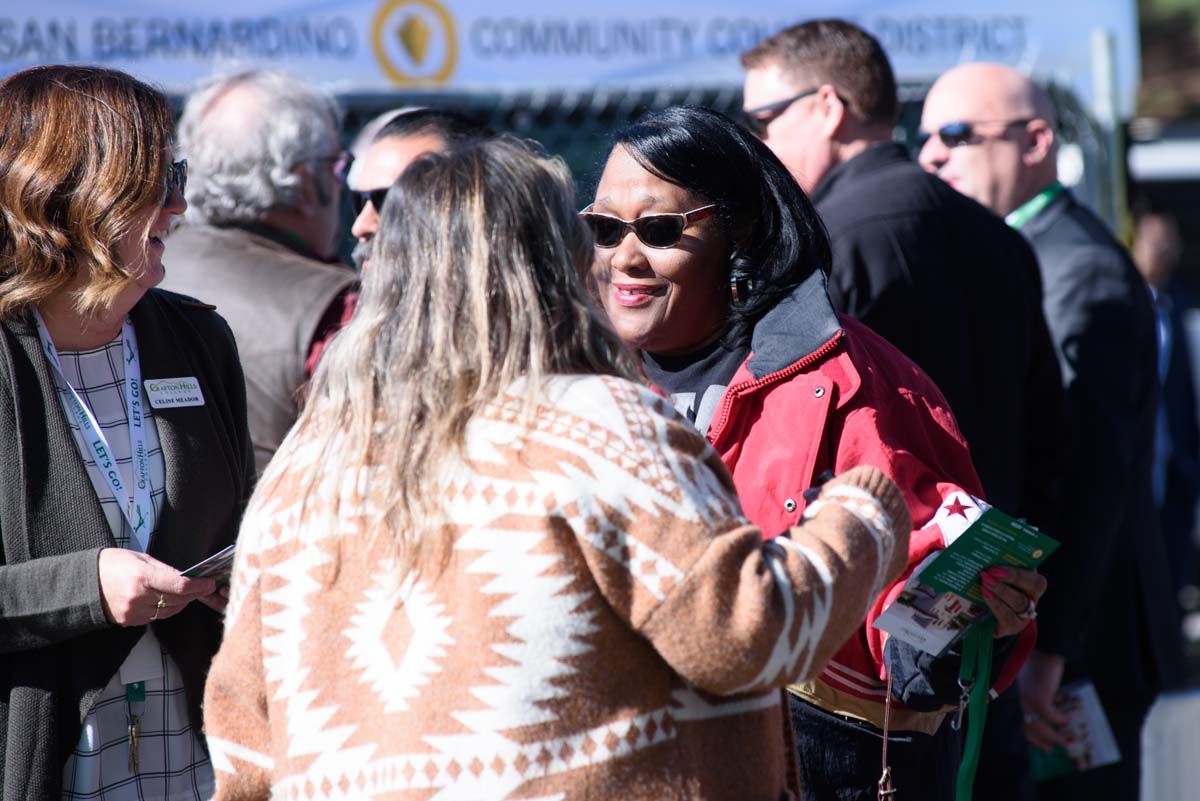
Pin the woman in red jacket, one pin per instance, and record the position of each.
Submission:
(708, 260)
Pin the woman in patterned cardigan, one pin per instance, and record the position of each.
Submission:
(486, 564)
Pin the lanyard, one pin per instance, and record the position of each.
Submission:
(975, 678)
(1029, 209)
(137, 507)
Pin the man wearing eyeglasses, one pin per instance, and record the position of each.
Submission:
(937, 275)
(408, 135)
(266, 172)
(1107, 615)
(934, 273)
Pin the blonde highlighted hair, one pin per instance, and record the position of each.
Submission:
(83, 152)
(474, 286)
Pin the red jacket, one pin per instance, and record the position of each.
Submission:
(823, 392)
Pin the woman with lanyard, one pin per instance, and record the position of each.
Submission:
(708, 261)
(127, 457)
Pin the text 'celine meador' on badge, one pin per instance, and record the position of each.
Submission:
(169, 393)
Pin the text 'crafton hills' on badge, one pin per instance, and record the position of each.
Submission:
(168, 393)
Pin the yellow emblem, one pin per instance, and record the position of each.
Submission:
(421, 30)
(414, 35)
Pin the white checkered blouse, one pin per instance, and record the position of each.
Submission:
(172, 764)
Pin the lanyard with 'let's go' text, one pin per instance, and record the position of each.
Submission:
(135, 506)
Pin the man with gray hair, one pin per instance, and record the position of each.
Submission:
(266, 173)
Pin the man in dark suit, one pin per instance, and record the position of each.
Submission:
(933, 272)
(1156, 250)
(1107, 614)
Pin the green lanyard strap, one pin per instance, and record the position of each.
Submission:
(975, 675)
(1029, 209)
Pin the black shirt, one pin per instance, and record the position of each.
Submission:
(696, 381)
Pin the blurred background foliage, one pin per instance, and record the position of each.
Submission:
(1170, 87)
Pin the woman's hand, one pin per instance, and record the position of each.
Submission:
(218, 600)
(137, 589)
(1012, 594)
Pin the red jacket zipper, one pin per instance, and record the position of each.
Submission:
(749, 386)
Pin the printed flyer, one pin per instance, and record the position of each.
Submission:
(944, 596)
(1091, 745)
(217, 566)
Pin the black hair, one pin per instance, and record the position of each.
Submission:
(451, 127)
(778, 238)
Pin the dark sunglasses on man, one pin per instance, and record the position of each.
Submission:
(176, 179)
(757, 119)
(659, 231)
(373, 196)
(962, 132)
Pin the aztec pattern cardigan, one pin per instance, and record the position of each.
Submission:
(606, 625)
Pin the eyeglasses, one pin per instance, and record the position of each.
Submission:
(373, 196)
(957, 134)
(659, 231)
(176, 179)
(341, 162)
(757, 119)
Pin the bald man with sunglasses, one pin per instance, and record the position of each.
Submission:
(1108, 615)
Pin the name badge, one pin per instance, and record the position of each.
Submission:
(169, 393)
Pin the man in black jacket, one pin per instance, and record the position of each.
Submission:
(935, 273)
(1107, 615)
(1176, 476)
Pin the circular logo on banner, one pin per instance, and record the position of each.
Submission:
(415, 41)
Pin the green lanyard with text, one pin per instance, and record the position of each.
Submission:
(1030, 208)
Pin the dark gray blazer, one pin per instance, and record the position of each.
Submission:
(58, 650)
(1108, 606)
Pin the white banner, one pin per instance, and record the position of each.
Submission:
(380, 45)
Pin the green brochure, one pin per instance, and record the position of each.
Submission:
(994, 539)
(944, 597)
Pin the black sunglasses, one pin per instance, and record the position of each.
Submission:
(176, 179)
(957, 134)
(373, 196)
(654, 230)
(757, 119)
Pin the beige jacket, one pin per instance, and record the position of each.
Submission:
(274, 299)
(608, 625)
